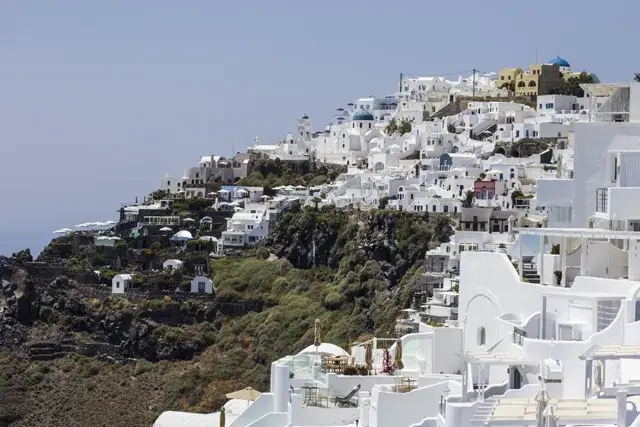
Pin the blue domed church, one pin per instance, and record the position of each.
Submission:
(562, 63)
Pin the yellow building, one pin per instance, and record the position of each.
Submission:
(539, 79)
(507, 77)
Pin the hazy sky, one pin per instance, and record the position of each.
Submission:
(99, 99)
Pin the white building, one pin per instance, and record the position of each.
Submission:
(120, 283)
(245, 229)
(201, 285)
(172, 264)
(542, 324)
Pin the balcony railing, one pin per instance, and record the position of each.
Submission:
(602, 196)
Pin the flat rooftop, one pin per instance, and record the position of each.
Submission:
(587, 233)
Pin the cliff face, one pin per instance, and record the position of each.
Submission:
(62, 338)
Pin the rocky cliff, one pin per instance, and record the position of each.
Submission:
(72, 352)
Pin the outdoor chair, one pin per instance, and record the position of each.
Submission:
(345, 402)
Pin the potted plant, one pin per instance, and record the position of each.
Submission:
(558, 275)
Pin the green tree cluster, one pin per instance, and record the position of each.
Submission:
(571, 85)
(273, 173)
(401, 127)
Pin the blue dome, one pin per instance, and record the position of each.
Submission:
(559, 62)
(363, 115)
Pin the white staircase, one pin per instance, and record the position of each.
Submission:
(484, 412)
(483, 125)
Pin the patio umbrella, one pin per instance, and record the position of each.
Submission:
(598, 379)
(397, 357)
(316, 333)
(542, 399)
(550, 416)
(223, 418)
(247, 393)
(368, 355)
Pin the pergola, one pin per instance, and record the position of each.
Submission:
(603, 353)
(484, 359)
(575, 233)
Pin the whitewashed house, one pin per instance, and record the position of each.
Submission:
(542, 337)
(172, 264)
(121, 283)
(244, 229)
(201, 285)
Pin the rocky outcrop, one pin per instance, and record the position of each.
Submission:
(120, 329)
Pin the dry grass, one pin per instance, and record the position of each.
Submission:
(80, 391)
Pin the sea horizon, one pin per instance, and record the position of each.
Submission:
(14, 241)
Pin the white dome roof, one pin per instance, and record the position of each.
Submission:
(183, 234)
(325, 348)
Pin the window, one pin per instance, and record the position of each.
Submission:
(168, 182)
(117, 284)
(482, 335)
(445, 208)
(201, 287)
(197, 175)
(433, 208)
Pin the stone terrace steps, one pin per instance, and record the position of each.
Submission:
(52, 350)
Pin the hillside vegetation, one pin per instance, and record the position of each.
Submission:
(353, 271)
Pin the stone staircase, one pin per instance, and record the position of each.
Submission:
(531, 275)
(482, 415)
(52, 350)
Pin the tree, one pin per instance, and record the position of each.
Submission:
(392, 127)
(404, 127)
(469, 198)
(316, 201)
(510, 85)
(571, 86)
(159, 195)
(516, 194)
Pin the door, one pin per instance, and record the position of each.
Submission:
(516, 378)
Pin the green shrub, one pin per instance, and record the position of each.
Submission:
(333, 301)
